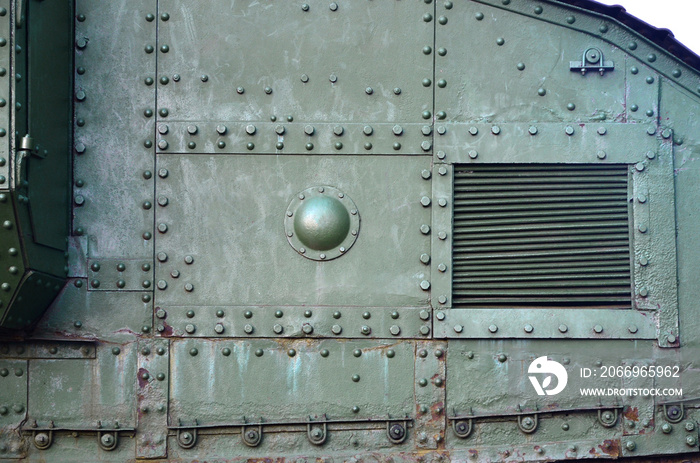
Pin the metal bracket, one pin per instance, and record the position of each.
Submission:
(107, 440)
(592, 60)
(187, 437)
(674, 412)
(318, 433)
(528, 423)
(608, 417)
(463, 428)
(251, 434)
(397, 431)
(42, 439)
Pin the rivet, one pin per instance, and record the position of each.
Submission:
(458, 328)
(424, 315)
(570, 106)
(671, 338)
(502, 358)
(632, 329)
(336, 329)
(425, 201)
(570, 19)
(357, 353)
(442, 268)
(479, 16)
(95, 266)
(356, 378)
(441, 155)
(569, 130)
(291, 352)
(528, 328)
(598, 329)
(336, 315)
(563, 328)
(305, 7)
(366, 330)
(194, 351)
(642, 228)
(473, 154)
(442, 170)
(602, 130)
(442, 51)
(397, 91)
(309, 130)
(164, 49)
(250, 129)
(190, 328)
(189, 287)
(441, 115)
(676, 73)
(639, 166)
(248, 329)
(440, 315)
(651, 130)
(164, 16)
(333, 6)
(532, 130)
(116, 350)
(601, 154)
(425, 285)
(691, 441)
(268, 90)
(666, 428)
(427, 17)
(308, 313)
(651, 57)
(369, 90)
(324, 353)
(650, 112)
(541, 91)
(632, 45)
(442, 20)
(500, 41)
(495, 130)
(442, 235)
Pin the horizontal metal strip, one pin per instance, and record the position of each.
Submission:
(466, 197)
(549, 178)
(539, 168)
(576, 279)
(520, 240)
(621, 229)
(562, 226)
(465, 222)
(559, 268)
(620, 285)
(474, 323)
(563, 304)
(544, 246)
(469, 207)
(594, 293)
(533, 193)
(465, 213)
(465, 186)
(577, 254)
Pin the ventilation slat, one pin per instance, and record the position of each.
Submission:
(541, 236)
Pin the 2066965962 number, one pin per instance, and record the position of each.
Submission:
(644, 371)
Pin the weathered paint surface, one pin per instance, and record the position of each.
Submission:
(202, 321)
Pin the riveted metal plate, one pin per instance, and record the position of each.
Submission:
(153, 379)
(519, 75)
(6, 84)
(441, 236)
(284, 381)
(545, 323)
(48, 350)
(430, 394)
(77, 393)
(13, 406)
(322, 217)
(551, 143)
(119, 275)
(285, 137)
(642, 92)
(294, 322)
(113, 150)
(107, 315)
(13, 272)
(284, 73)
(217, 250)
(569, 416)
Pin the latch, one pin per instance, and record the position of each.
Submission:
(592, 60)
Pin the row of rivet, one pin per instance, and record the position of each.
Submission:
(280, 130)
(3, 101)
(528, 328)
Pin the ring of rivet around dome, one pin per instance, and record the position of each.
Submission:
(321, 223)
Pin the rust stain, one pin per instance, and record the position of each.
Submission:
(168, 330)
(142, 382)
(610, 447)
(631, 413)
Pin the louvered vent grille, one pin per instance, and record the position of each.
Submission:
(541, 235)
